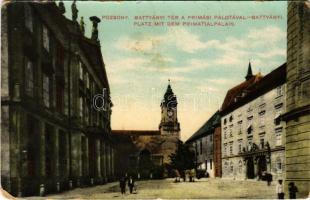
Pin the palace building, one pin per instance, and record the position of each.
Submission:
(253, 135)
(52, 137)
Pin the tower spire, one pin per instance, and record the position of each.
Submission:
(249, 73)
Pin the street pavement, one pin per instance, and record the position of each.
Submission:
(167, 189)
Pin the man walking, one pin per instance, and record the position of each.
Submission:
(122, 184)
(131, 184)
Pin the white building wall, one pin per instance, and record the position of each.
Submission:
(260, 114)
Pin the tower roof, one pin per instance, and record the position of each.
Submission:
(249, 73)
(169, 97)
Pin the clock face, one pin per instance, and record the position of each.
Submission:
(170, 113)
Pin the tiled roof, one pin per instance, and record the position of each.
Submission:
(207, 127)
(236, 92)
(253, 88)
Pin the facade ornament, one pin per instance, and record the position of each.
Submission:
(82, 25)
(74, 11)
(96, 21)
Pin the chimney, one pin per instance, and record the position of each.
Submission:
(94, 34)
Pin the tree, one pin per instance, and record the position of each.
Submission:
(183, 158)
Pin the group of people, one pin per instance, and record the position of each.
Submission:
(292, 189)
(130, 182)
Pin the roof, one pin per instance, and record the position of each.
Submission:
(253, 88)
(207, 128)
(237, 91)
(135, 132)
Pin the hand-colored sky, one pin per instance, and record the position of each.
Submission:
(202, 62)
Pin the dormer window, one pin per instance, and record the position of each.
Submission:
(279, 91)
(230, 118)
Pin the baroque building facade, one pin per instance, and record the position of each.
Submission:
(206, 147)
(52, 138)
(253, 135)
(298, 97)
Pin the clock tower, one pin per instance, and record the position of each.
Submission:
(169, 124)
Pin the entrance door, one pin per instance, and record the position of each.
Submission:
(250, 168)
(262, 166)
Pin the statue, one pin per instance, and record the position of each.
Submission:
(61, 7)
(94, 34)
(82, 25)
(74, 11)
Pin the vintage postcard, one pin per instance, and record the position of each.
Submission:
(155, 99)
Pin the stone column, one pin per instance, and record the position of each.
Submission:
(108, 159)
(98, 158)
(103, 161)
(56, 157)
(245, 169)
(41, 163)
(112, 161)
(255, 168)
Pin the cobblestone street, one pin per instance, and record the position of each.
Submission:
(166, 189)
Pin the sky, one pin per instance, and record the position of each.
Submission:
(202, 62)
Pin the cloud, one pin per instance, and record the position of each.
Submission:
(132, 63)
(184, 40)
(180, 38)
(142, 45)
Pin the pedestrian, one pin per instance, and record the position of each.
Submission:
(279, 190)
(292, 190)
(269, 178)
(122, 184)
(131, 184)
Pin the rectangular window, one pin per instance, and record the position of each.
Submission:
(210, 163)
(81, 106)
(81, 70)
(87, 80)
(279, 139)
(46, 39)
(86, 114)
(231, 149)
(28, 18)
(262, 143)
(29, 77)
(240, 147)
(46, 90)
